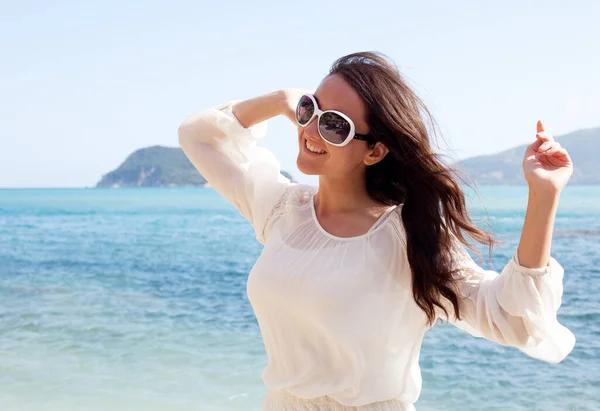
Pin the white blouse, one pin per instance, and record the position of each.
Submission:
(336, 314)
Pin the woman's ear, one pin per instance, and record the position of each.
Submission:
(376, 154)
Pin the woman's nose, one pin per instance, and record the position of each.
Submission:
(312, 130)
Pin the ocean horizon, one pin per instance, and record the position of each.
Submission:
(135, 299)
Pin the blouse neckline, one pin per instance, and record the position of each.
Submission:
(378, 224)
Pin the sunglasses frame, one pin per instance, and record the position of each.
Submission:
(317, 113)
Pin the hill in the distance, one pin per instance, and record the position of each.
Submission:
(505, 167)
(156, 166)
(159, 166)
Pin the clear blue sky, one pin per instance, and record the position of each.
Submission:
(83, 85)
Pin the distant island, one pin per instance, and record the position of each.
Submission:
(505, 167)
(159, 166)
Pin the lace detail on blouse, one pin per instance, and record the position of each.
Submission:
(297, 196)
(395, 221)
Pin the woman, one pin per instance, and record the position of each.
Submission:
(355, 271)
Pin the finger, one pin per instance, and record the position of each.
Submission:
(561, 155)
(535, 145)
(546, 145)
(549, 147)
(542, 134)
(559, 159)
(540, 127)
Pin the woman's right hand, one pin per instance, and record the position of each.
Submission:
(291, 97)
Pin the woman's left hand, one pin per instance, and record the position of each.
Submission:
(547, 165)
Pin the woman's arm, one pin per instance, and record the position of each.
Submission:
(519, 306)
(547, 168)
(219, 142)
(258, 109)
(249, 113)
(536, 237)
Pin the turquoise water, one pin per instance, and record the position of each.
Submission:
(134, 299)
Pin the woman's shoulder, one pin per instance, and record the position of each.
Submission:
(295, 196)
(395, 224)
(298, 195)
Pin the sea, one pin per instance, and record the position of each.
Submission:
(135, 299)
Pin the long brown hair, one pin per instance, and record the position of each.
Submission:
(434, 213)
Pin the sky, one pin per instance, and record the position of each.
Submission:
(84, 84)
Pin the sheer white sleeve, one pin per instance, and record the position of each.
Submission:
(225, 153)
(517, 307)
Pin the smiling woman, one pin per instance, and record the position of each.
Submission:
(354, 272)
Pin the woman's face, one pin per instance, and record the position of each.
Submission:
(335, 94)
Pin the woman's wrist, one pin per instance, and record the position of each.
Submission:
(543, 190)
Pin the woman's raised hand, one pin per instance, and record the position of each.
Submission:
(291, 97)
(547, 166)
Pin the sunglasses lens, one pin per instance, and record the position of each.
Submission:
(334, 128)
(304, 110)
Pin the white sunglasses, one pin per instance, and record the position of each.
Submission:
(334, 127)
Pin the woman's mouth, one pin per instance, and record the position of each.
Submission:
(311, 148)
